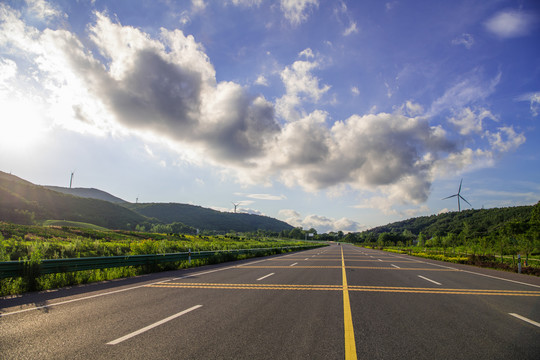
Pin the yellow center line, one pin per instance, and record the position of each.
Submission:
(350, 343)
(339, 267)
(411, 290)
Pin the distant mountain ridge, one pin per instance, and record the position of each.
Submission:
(204, 218)
(90, 193)
(26, 203)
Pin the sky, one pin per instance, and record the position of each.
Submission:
(331, 114)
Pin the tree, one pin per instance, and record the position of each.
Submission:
(421, 240)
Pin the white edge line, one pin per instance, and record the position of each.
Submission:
(471, 272)
(525, 319)
(146, 328)
(122, 290)
(425, 278)
(265, 276)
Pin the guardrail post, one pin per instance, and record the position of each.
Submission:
(189, 256)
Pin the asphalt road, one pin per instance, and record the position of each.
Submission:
(330, 303)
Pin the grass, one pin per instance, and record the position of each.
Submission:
(507, 263)
(73, 224)
(36, 243)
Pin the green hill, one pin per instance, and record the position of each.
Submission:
(24, 203)
(87, 193)
(208, 219)
(475, 223)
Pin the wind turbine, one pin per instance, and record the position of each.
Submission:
(458, 195)
(71, 179)
(235, 206)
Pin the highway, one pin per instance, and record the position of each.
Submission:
(337, 302)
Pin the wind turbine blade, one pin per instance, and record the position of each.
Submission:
(461, 182)
(448, 197)
(462, 198)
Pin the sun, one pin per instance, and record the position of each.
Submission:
(21, 125)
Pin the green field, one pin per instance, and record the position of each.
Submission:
(35, 243)
(73, 224)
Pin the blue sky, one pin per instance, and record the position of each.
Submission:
(337, 115)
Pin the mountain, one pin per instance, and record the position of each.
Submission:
(204, 218)
(24, 202)
(479, 222)
(88, 193)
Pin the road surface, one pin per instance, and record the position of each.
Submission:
(338, 302)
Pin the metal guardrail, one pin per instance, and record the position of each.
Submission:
(51, 266)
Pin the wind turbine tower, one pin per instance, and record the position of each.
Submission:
(71, 179)
(458, 195)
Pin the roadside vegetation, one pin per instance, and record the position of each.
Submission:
(35, 243)
(495, 238)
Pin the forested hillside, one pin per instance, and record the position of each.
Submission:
(512, 230)
(204, 218)
(22, 202)
(478, 222)
(25, 203)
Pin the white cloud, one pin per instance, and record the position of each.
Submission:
(355, 90)
(295, 11)
(43, 10)
(465, 39)
(261, 80)
(511, 23)
(534, 100)
(470, 89)
(471, 121)
(308, 53)
(352, 29)
(506, 139)
(164, 90)
(247, 3)
(301, 86)
(322, 224)
(8, 69)
(198, 5)
(263, 196)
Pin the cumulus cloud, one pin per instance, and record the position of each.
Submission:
(511, 23)
(261, 80)
(301, 86)
(471, 121)
(322, 224)
(164, 87)
(43, 10)
(295, 11)
(505, 139)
